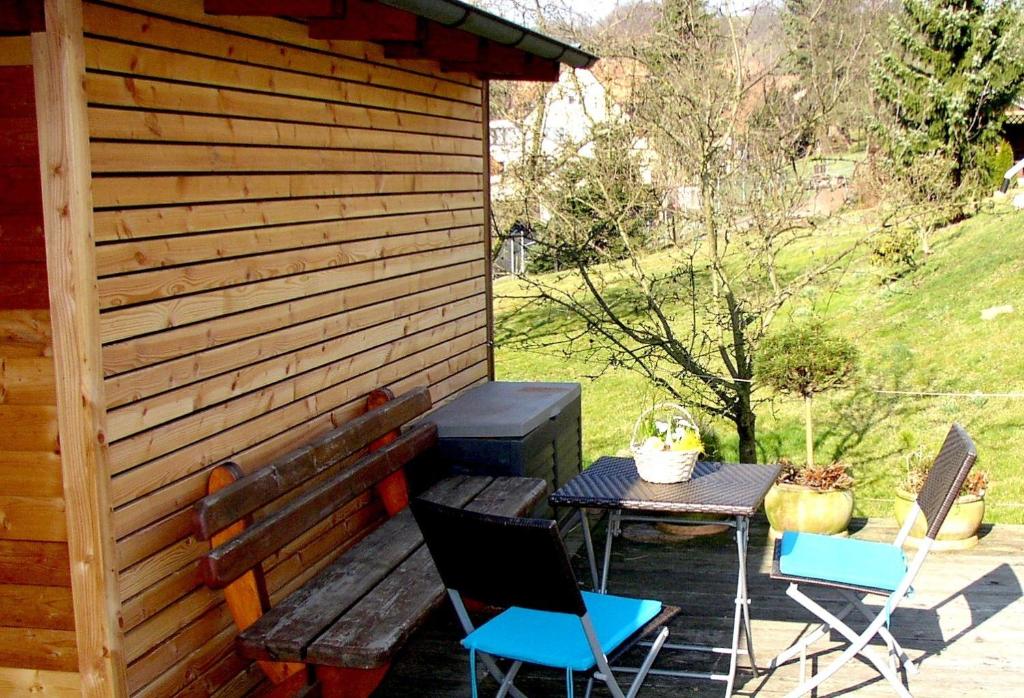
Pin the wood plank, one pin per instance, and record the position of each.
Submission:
(248, 494)
(31, 682)
(121, 324)
(286, 630)
(270, 434)
(485, 121)
(34, 562)
(114, 57)
(154, 31)
(166, 283)
(366, 636)
(188, 400)
(205, 629)
(139, 93)
(286, 32)
(176, 677)
(15, 50)
(27, 380)
(161, 190)
(59, 69)
(229, 560)
(146, 414)
(35, 648)
(130, 157)
(29, 427)
(134, 450)
(25, 606)
(122, 125)
(171, 587)
(25, 333)
(186, 220)
(33, 518)
(137, 255)
(31, 474)
(191, 368)
(178, 342)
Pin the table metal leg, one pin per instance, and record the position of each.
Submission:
(588, 542)
(741, 615)
(614, 516)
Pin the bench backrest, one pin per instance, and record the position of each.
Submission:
(237, 501)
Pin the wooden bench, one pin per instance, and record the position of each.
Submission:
(336, 634)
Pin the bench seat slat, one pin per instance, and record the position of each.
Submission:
(285, 631)
(230, 560)
(248, 494)
(366, 636)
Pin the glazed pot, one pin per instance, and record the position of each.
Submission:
(958, 531)
(800, 508)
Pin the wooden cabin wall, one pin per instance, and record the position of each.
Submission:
(282, 225)
(37, 628)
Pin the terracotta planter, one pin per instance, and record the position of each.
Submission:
(801, 508)
(958, 531)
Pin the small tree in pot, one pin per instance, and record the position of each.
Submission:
(806, 360)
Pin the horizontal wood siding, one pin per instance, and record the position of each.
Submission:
(37, 628)
(282, 225)
(36, 615)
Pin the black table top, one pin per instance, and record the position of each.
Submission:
(733, 489)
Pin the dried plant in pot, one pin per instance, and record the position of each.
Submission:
(810, 498)
(960, 529)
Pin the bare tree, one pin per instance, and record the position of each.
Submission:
(717, 131)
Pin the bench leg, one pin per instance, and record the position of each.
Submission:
(342, 682)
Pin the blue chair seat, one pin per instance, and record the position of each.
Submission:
(557, 639)
(842, 560)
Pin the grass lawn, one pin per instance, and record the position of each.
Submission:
(925, 333)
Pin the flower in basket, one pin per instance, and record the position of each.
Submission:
(666, 443)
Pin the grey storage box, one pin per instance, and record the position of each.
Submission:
(505, 428)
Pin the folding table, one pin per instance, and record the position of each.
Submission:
(735, 490)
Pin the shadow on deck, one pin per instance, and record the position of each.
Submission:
(964, 624)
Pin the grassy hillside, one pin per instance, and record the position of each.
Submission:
(924, 333)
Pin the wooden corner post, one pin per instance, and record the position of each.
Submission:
(59, 68)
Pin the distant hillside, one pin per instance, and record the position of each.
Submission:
(924, 333)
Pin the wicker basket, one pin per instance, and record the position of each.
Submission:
(664, 466)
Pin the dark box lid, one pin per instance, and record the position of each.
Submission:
(503, 409)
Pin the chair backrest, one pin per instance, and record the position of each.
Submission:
(500, 560)
(948, 472)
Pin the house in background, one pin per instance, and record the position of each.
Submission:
(1013, 129)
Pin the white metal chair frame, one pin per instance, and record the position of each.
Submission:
(957, 443)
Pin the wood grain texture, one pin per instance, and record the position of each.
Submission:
(301, 228)
(19, 683)
(59, 64)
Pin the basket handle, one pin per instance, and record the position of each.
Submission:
(688, 420)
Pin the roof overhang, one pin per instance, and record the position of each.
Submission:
(461, 37)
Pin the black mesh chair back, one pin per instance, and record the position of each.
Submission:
(498, 560)
(946, 477)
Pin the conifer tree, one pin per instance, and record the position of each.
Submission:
(954, 68)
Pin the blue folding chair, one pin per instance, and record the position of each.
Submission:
(522, 565)
(858, 569)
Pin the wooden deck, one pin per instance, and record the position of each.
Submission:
(964, 623)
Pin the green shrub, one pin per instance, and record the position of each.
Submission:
(895, 252)
(996, 160)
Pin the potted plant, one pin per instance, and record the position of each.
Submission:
(811, 498)
(805, 360)
(960, 529)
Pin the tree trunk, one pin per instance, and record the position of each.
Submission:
(808, 429)
(745, 420)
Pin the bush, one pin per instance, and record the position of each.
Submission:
(895, 251)
(996, 160)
